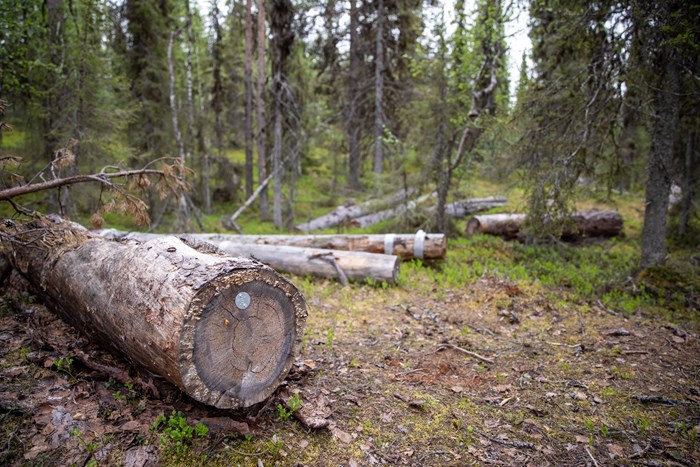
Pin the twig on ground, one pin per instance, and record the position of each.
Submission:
(481, 330)
(468, 352)
(581, 322)
(571, 346)
(595, 462)
(116, 373)
(513, 444)
(658, 400)
(608, 310)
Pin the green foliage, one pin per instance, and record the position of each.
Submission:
(64, 365)
(292, 405)
(89, 446)
(177, 435)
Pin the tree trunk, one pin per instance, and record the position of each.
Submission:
(224, 330)
(277, 154)
(343, 214)
(664, 121)
(353, 128)
(334, 264)
(173, 100)
(379, 90)
(405, 246)
(262, 169)
(584, 224)
(248, 99)
(189, 147)
(687, 200)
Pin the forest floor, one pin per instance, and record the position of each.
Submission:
(442, 369)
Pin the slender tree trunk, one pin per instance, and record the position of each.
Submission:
(353, 129)
(664, 123)
(183, 214)
(277, 153)
(189, 146)
(173, 98)
(248, 99)
(201, 139)
(379, 90)
(262, 170)
(687, 199)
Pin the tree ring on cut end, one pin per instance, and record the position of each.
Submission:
(240, 354)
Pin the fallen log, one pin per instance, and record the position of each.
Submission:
(343, 214)
(224, 330)
(465, 207)
(406, 246)
(583, 224)
(317, 262)
(377, 217)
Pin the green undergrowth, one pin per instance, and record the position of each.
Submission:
(604, 272)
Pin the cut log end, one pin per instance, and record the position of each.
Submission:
(239, 342)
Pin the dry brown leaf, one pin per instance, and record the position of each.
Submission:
(615, 450)
(341, 435)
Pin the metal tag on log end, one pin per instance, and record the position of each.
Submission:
(242, 300)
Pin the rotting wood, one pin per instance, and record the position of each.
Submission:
(405, 246)
(224, 330)
(583, 224)
(355, 265)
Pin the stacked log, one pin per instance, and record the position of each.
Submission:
(334, 264)
(223, 329)
(428, 246)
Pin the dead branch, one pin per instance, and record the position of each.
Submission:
(102, 178)
(513, 444)
(468, 352)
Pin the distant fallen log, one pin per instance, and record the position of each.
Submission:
(343, 214)
(583, 224)
(503, 225)
(334, 264)
(465, 207)
(406, 246)
(223, 329)
(377, 217)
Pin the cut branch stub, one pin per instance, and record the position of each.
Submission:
(225, 330)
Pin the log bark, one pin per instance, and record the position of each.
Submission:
(343, 214)
(405, 246)
(584, 224)
(224, 330)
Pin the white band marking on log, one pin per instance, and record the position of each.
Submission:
(418, 244)
(389, 244)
